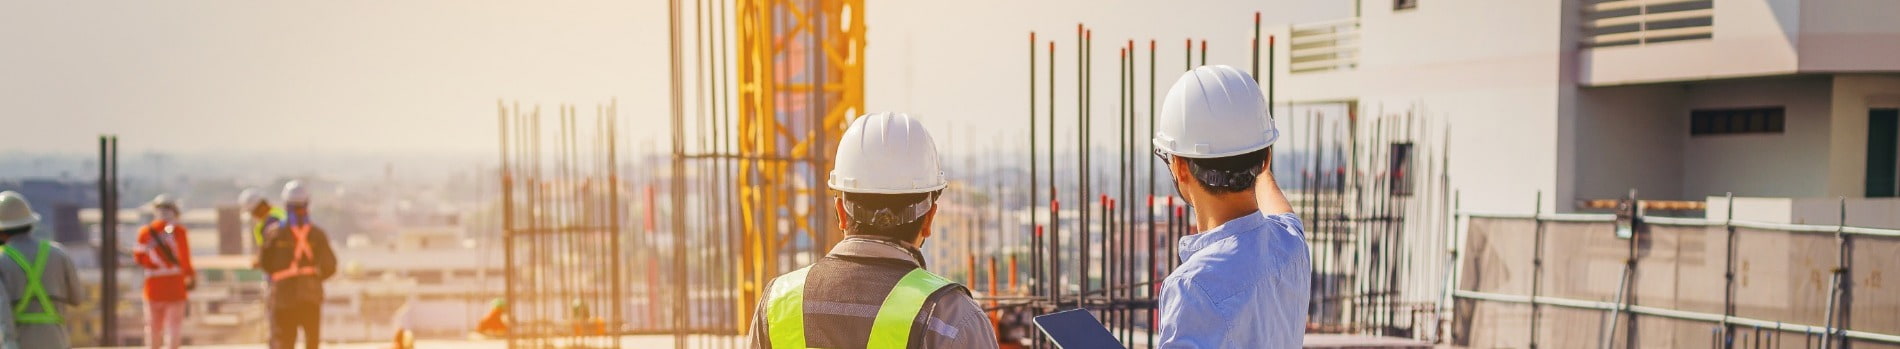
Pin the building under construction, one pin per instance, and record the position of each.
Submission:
(1460, 182)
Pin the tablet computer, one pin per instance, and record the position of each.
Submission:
(1076, 329)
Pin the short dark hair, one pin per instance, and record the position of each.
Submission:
(905, 232)
(1230, 174)
(17, 230)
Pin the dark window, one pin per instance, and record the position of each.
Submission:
(1404, 4)
(1401, 167)
(1706, 122)
(1883, 150)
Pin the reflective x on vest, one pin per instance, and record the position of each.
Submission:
(891, 329)
(167, 256)
(301, 235)
(35, 290)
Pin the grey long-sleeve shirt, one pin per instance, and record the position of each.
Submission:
(953, 320)
(61, 280)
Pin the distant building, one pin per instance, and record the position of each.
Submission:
(1681, 100)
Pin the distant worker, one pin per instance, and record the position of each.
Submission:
(872, 291)
(495, 323)
(1242, 282)
(263, 217)
(585, 323)
(38, 276)
(164, 250)
(298, 258)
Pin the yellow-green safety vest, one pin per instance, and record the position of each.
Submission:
(257, 228)
(890, 329)
(35, 290)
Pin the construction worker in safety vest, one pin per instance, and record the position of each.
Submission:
(871, 290)
(164, 250)
(1244, 277)
(262, 217)
(297, 257)
(38, 275)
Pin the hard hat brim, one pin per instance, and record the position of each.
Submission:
(31, 219)
(1273, 136)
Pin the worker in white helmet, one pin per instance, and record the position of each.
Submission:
(298, 258)
(1243, 280)
(871, 290)
(262, 217)
(38, 275)
(164, 251)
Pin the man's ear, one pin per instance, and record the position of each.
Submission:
(839, 203)
(928, 217)
(1179, 169)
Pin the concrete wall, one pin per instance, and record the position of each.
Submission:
(1489, 71)
(1751, 38)
(1790, 164)
(1631, 137)
(1853, 95)
(1849, 36)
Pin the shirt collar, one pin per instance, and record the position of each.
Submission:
(1245, 224)
(859, 246)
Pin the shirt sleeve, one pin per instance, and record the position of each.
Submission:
(184, 252)
(1188, 319)
(957, 321)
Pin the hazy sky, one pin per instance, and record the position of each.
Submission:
(424, 76)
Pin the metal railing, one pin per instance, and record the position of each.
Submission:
(1492, 246)
(1324, 46)
(1640, 22)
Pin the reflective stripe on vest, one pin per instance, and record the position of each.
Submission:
(164, 268)
(35, 290)
(890, 329)
(300, 234)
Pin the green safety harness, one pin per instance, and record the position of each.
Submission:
(35, 290)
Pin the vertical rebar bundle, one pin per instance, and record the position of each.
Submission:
(561, 204)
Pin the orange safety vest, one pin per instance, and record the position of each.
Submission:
(301, 234)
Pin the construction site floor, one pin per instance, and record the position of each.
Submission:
(665, 341)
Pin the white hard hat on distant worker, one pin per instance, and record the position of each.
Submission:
(886, 153)
(163, 202)
(294, 193)
(1214, 112)
(15, 212)
(249, 199)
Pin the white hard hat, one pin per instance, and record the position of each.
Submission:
(14, 211)
(249, 199)
(163, 201)
(886, 153)
(294, 193)
(1213, 112)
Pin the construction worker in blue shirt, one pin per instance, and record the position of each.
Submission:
(1244, 281)
(871, 290)
(38, 274)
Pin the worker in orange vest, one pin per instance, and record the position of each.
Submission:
(164, 250)
(298, 258)
(495, 323)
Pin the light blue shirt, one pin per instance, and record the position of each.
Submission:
(1243, 284)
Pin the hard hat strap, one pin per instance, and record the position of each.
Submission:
(1225, 178)
(888, 216)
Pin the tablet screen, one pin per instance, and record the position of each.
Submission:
(1076, 329)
